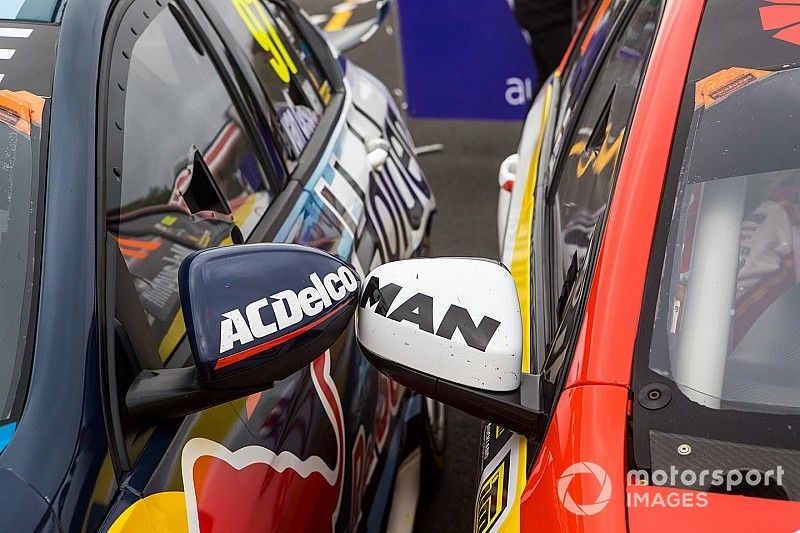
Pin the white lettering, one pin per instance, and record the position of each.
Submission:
(253, 312)
(310, 301)
(233, 329)
(288, 307)
(336, 292)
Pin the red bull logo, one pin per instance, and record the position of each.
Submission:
(253, 488)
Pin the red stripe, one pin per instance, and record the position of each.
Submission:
(244, 354)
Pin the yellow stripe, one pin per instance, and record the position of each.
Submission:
(341, 17)
(521, 270)
(521, 258)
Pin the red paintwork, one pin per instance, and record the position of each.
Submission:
(259, 496)
(589, 425)
(590, 422)
(612, 313)
(722, 514)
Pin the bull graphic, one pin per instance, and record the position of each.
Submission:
(254, 489)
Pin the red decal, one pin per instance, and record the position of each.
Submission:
(256, 489)
(786, 15)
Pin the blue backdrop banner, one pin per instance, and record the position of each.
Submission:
(465, 59)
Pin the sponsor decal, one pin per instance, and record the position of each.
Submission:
(493, 496)
(418, 309)
(241, 491)
(236, 491)
(287, 309)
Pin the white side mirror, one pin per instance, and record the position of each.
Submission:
(450, 328)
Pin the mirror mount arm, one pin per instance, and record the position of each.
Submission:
(519, 410)
(158, 395)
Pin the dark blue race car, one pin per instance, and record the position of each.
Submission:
(135, 136)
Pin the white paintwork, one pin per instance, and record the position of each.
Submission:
(7, 53)
(508, 173)
(405, 495)
(527, 145)
(483, 288)
(377, 152)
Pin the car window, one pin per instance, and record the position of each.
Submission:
(287, 70)
(583, 184)
(595, 32)
(176, 108)
(21, 136)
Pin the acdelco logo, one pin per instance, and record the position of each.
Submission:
(418, 309)
(288, 308)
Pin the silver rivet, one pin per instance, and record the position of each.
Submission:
(684, 449)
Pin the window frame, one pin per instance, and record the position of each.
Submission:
(109, 153)
(315, 148)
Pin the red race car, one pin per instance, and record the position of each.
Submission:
(642, 370)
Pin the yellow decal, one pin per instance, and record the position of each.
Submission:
(163, 512)
(491, 500)
(254, 16)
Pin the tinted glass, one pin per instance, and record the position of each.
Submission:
(594, 35)
(728, 319)
(20, 137)
(586, 177)
(176, 104)
(287, 70)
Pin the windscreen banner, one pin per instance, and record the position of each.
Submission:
(465, 59)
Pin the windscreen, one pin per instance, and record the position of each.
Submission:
(31, 10)
(20, 136)
(727, 328)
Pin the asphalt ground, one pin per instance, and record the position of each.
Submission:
(464, 180)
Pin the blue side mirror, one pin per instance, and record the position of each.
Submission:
(254, 314)
(258, 313)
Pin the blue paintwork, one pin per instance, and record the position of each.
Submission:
(55, 471)
(218, 281)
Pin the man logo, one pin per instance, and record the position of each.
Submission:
(418, 309)
(584, 509)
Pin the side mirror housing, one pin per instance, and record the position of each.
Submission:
(353, 35)
(450, 328)
(254, 314)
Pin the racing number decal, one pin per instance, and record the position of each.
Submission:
(493, 496)
(255, 17)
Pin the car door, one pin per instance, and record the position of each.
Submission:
(188, 106)
(594, 110)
